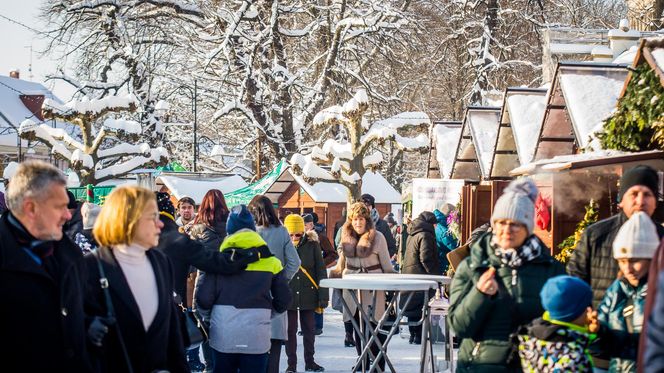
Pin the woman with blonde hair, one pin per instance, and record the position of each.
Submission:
(362, 249)
(141, 333)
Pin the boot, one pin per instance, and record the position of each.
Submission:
(291, 369)
(313, 367)
(348, 341)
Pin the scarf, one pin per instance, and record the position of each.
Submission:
(38, 248)
(374, 216)
(514, 258)
(354, 246)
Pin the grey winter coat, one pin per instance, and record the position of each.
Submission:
(281, 246)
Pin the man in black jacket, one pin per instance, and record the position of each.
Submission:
(592, 260)
(42, 274)
(380, 224)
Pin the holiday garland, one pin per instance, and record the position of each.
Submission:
(638, 122)
(569, 244)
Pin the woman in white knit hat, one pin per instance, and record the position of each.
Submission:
(621, 311)
(497, 287)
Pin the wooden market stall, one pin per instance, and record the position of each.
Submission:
(581, 96)
(568, 183)
(474, 152)
(444, 141)
(520, 123)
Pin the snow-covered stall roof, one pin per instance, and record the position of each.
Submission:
(474, 153)
(444, 141)
(520, 122)
(196, 188)
(582, 95)
(12, 109)
(372, 183)
(582, 160)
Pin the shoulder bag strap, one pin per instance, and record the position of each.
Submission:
(309, 277)
(110, 311)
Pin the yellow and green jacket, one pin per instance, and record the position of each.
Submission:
(238, 307)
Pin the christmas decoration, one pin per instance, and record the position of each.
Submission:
(569, 244)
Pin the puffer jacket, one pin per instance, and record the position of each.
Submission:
(485, 322)
(421, 258)
(238, 307)
(621, 320)
(305, 294)
(592, 260)
(552, 346)
(444, 240)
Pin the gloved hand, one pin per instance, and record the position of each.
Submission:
(98, 329)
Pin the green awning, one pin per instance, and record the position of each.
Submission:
(244, 195)
(100, 193)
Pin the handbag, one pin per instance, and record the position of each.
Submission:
(195, 330)
(110, 310)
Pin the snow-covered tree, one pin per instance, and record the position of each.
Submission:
(98, 152)
(346, 161)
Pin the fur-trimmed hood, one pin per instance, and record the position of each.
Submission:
(354, 246)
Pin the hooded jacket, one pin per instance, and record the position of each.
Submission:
(239, 307)
(305, 295)
(444, 240)
(421, 256)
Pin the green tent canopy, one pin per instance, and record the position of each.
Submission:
(244, 195)
(100, 193)
(172, 167)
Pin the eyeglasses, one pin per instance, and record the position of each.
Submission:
(512, 226)
(296, 235)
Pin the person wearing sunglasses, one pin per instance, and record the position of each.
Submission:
(307, 294)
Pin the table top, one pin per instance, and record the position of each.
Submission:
(443, 280)
(378, 284)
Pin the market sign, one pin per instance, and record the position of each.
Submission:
(431, 194)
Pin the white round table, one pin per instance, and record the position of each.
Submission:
(376, 283)
(442, 280)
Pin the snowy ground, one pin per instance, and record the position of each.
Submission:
(331, 353)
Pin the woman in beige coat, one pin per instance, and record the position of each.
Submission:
(362, 250)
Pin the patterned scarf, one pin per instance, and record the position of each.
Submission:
(375, 216)
(514, 258)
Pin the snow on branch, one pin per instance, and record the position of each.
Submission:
(96, 107)
(55, 138)
(157, 156)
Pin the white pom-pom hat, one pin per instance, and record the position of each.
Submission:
(637, 238)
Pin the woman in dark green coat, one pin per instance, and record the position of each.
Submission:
(497, 287)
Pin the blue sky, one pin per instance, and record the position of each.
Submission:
(16, 42)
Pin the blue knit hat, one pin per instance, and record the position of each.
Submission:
(240, 218)
(566, 297)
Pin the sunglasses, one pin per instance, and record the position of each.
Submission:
(296, 235)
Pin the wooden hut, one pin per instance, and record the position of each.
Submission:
(474, 152)
(444, 141)
(581, 96)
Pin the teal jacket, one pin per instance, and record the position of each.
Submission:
(484, 322)
(620, 316)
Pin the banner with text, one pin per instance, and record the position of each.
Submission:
(431, 194)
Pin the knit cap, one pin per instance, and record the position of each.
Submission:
(72, 204)
(164, 203)
(637, 238)
(566, 297)
(294, 223)
(89, 213)
(639, 175)
(308, 218)
(239, 218)
(517, 203)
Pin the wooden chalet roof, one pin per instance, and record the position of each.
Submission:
(440, 149)
(520, 121)
(581, 96)
(474, 153)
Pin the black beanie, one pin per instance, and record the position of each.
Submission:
(639, 175)
(308, 218)
(72, 204)
(164, 203)
(368, 198)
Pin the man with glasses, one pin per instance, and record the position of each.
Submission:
(380, 224)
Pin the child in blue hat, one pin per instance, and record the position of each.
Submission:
(559, 340)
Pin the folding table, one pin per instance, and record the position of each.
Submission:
(374, 285)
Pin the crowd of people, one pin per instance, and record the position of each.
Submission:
(108, 288)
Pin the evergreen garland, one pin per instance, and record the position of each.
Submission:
(638, 122)
(569, 244)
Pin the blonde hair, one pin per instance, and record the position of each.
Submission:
(120, 214)
(359, 209)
